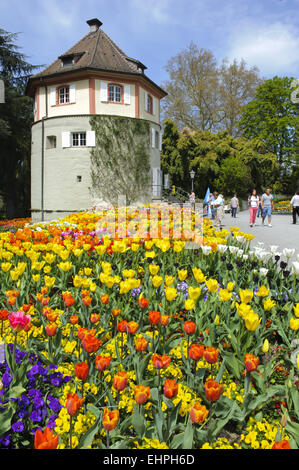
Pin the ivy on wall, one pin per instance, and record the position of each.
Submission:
(120, 159)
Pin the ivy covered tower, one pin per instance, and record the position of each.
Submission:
(93, 78)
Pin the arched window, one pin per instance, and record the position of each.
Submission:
(115, 94)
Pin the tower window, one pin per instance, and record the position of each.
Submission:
(115, 93)
(51, 142)
(79, 139)
(79, 179)
(149, 104)
(64, 95)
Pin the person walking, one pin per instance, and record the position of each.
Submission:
(192, 200)
(267, 206)
(218, 205)
(234, 205)
(253, 202)
(259, 211)
(294, 204)
(211, 200)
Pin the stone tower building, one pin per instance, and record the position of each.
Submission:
(94, 77)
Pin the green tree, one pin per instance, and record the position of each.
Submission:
(234, 177)
(272, 118)
(16, 116)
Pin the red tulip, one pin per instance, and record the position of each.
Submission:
(82, 370)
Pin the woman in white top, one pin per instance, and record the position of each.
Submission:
(253, 203)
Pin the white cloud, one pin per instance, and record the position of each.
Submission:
(273, 48)
(159, 10)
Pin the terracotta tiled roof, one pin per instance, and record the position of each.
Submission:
(95, 50)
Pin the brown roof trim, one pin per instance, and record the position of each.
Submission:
(77, 75)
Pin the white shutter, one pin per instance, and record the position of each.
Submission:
(72, 93)
(154, 105)
(153, 138)
(90, 138)
(160, 142)
(104, 91)
(65, 139)
(166, 181)
(127, 94)
(53, 97)
(145, 101)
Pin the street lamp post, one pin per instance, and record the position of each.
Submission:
(192, 174)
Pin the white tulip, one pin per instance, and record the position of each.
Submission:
(240, 238)
(263, 271)
(206, 250)
(222, 248)
(288, 252)
(295, 268)
(233, 249)
(240, 252)
(245, 257)
(273, 248)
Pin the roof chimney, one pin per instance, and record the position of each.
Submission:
(94, 24)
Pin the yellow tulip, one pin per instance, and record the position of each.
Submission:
(35, 277)
(224, 295)
(157, 281)
(178, 246)
(217, 320)
(170, 293)
(252, 321)
(182, 274)
(49, 281)
(230, 286)
(169, 280)
(243, 309)
(296, 310)
(106, 267)
(265, 347)
(154, 269)
(268, 304)
(262, 292)
(245, 296)
(65, 266)
(6, 267)
(194, 292)
(189, 304)
(294, 324)
(100, 249)
(212, 285)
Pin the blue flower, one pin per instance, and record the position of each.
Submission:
(18, 426)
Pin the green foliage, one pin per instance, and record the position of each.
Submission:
(220, 161)
(16, 116)
(120, 159)
(272, 117)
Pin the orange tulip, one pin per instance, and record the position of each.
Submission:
(94, 317)
(4, 315)
(141, 344)
(189, 327)
(68, 299)
(164, 320)
(142, 394)
(73, 404)
(82, 370)
(46, 439)
(74, 319)
(87, 300)
(143, 302)
(170, 388)
(213, 390)
(132, 327)
(154, 317)
(211, 354)
(102, 362)
(51, 329)
(198, 413)
(104, 299)
(284, 444)
(251, 362)
(120, 381)
(161, 362)
(110, 419)
(196, 351)
(122, 326)
(90, 343)
(116, 312)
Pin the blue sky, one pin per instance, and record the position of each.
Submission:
(264, 33)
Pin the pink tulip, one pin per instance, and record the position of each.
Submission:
(18, 320)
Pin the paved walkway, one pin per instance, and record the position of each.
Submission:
(282, 233)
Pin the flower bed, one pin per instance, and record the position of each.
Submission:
(282, 207)
(116, 340)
